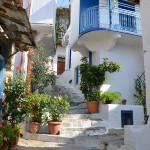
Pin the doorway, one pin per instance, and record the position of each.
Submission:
(60, 65)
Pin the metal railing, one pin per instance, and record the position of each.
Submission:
(111, 18)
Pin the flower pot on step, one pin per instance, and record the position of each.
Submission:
(34, 127)
(92, 106)
(54, 127)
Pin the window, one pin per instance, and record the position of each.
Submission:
(90, 57)
(70, 55)
(77, 75)
(126, 118)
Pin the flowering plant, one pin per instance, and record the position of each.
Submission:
(13, 106)
(1, 138)
(42, 74)
(7, 134)
(36, 104)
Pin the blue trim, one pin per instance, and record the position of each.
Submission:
(70, 55)
(90, 57)
(130, 115)
(128, 22)
(77, 75)
(2, 77)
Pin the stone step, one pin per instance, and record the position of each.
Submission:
(78, 111)
(92, 141)
(72, 132)
(78, 106)
(83, 123)
(94, 116)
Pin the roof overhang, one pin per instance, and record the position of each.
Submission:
(134, 1)
(14, 25)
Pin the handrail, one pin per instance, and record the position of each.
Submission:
(123, 20)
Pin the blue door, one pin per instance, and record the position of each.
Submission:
(2, 76)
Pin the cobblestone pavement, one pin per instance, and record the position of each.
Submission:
(38, 145)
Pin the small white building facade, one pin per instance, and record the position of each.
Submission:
(105, 29)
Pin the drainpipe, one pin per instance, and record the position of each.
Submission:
(110, 13)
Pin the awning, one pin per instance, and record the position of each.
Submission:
(14, 25)
(134, 1)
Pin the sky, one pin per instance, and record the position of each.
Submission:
(61, 3)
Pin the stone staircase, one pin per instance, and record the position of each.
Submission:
(78, 127)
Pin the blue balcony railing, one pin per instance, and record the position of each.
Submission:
(119, 17)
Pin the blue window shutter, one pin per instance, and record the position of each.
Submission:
(77, 75)
(70, 55)
(90, 57)
(126, 117)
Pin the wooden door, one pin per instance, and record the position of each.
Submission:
(60, 65)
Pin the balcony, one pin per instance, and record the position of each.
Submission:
(119, 17)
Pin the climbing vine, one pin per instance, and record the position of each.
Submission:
(62, 23)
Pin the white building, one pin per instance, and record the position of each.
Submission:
(105, 29)
(42, 18)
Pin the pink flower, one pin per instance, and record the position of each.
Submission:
(43, 62)
(5, 138)
(32, 62)
(17, 68)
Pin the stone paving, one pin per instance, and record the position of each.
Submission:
(38, 145)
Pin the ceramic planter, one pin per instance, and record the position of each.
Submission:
(54, 127)
(34, 127)
(92, 106)
(124, 102)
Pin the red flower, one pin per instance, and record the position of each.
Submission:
(15, 143)
(22, 105)
(27, 93)
(17, 68)
(3, 101)
(33, 103)
(21, 134)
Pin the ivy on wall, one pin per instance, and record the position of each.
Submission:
(62, 23)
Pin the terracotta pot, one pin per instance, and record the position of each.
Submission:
(92, 106)
(124, 102)
(54, 127)
(34, 127)
(4, 148)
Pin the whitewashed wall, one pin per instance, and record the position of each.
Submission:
(43, 12)
(111, 114)
(145, 12)
(74, 26)
(131, 61)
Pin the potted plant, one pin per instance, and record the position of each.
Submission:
(57, 108)
(8, 136)
(124, 101)
(109, 97)
(93, 77)
(13, 105)
(36, 103)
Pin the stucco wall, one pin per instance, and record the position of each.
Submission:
(111, 114)
(131, 61)
(74, 26)
(145, 13)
